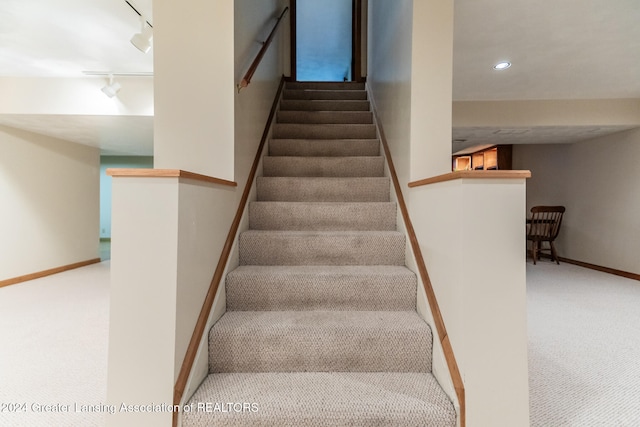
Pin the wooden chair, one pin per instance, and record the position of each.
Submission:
(544, 226)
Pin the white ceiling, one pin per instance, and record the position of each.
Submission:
(560, 49)
(64, 38)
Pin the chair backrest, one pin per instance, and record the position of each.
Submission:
(545, 222)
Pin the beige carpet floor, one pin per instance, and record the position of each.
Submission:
(584, 347)
(53, 348)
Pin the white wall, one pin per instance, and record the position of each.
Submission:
(194, 86)
(130, 162)
(410, 74)
(49, 193)
(431, 88)
(472, 237)
(389, 75)
(598, 181)
(253, 22)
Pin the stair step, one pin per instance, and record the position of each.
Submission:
(323, 166)
(325, 148)
(320, 341)
(325, 117)
(318, 399)
(315, 94)
(266, 247)
(318, 216)
(323, 131)
(325, 85)
(314, 189)
(338, 288)
(316, 105)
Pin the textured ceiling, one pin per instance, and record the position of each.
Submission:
(473, 136)
(114, 135)
(560, 49)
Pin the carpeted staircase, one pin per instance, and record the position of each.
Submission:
(321, 326)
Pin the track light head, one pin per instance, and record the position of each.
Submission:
(142, 40)
(112, 88)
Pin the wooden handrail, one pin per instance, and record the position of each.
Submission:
(497, 174)
(454, 371)
(167, 173)
(203, 318)
(254, 65)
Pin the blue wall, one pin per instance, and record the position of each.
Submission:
(323, 40)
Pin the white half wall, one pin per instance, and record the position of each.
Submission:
(167, 236)
(471, 232)
(598, 181)
(132, 162)
(142, 316)
(49, 192)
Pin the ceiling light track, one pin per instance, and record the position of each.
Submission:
(124, 74)
(136, 11)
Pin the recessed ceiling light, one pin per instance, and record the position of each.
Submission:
(502, 65)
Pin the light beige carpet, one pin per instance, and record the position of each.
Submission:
(53, 348)
(584, 347)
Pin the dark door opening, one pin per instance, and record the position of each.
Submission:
(323, 47)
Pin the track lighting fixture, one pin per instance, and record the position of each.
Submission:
(112, 88)
(142, 40)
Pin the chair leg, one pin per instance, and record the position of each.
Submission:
(553, 253)
(534, 250)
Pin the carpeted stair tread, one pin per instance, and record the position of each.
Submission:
(315, 189)
(324, 148)
(324, 94)
(323, 166)
(323, 105)
(325, 117)
(291, 288)
(262, 247)
(320, 341)
(325, 86)
(316, 399)
(328, 216)
(324, 131)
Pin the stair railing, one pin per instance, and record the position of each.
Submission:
(265, 46)
(447, 349)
